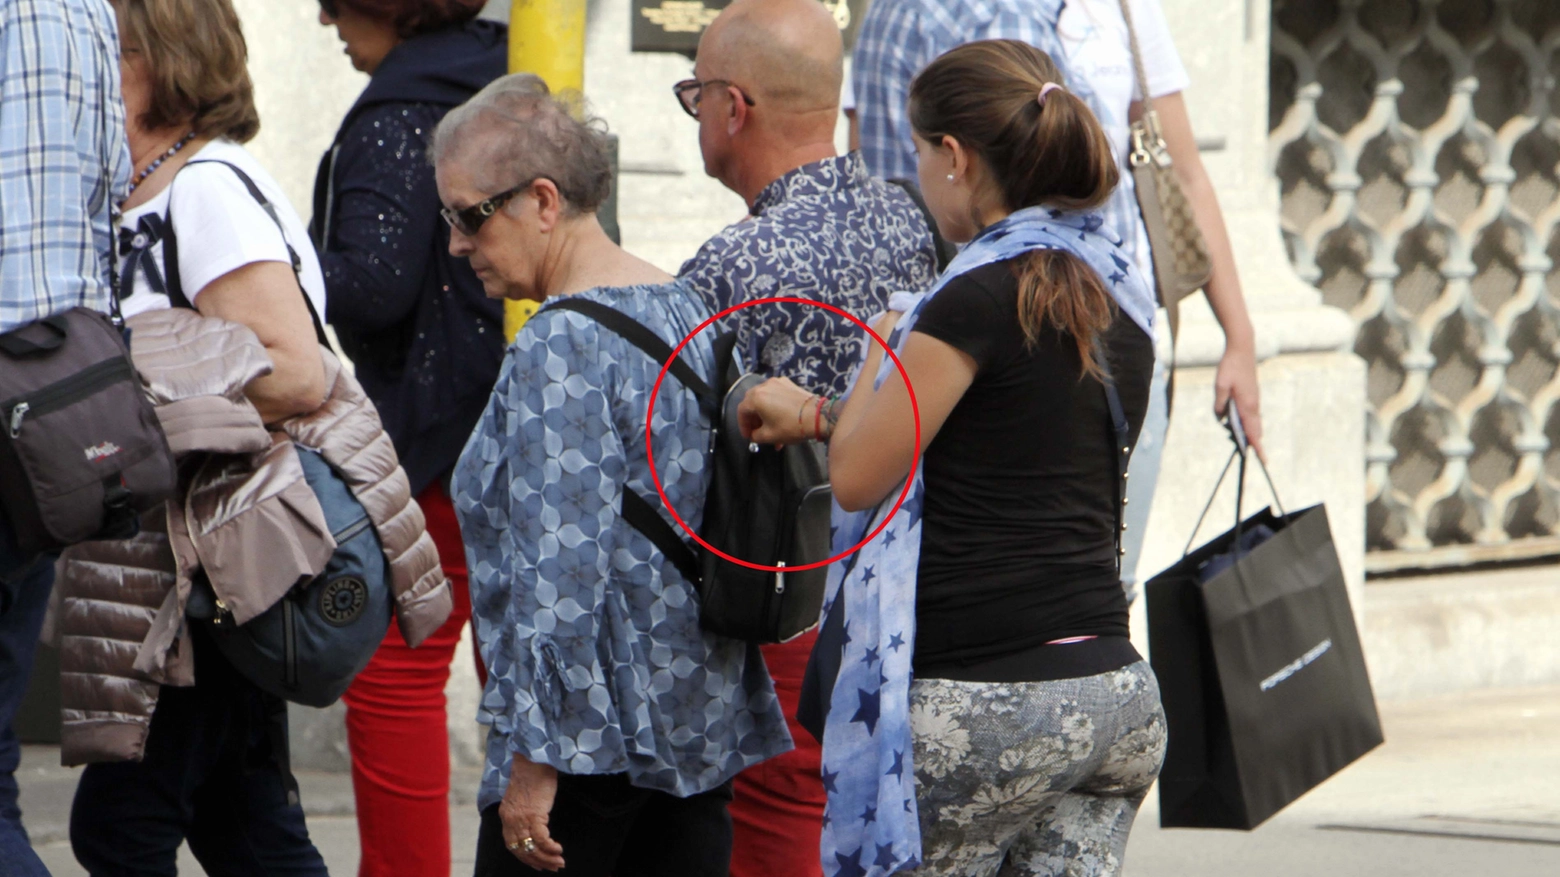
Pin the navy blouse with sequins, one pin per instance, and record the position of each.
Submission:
(425, 339)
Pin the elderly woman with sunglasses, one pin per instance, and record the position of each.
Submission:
(615, 722)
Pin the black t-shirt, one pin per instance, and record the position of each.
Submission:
(1018, 540)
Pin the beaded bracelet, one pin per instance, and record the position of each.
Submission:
(832, 413)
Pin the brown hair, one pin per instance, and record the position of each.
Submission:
(198, 61)
(986, 95)
(515, 129)
(413, 17)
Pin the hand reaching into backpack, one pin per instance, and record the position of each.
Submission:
(778, 412)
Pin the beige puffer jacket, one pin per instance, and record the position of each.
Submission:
(244, 515)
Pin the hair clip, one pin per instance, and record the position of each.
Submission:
(1047, 89)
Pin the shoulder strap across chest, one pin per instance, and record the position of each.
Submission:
(171, 247)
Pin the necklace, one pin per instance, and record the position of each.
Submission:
(157, 162)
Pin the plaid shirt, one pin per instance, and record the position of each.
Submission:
(61, 127)
(898, 38)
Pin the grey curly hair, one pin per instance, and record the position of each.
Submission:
(516, 129)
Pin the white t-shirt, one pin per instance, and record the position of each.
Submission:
(220, 227)
(1094, 35)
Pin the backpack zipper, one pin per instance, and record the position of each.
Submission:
(352, 530)
(68, 391)
(771, 599)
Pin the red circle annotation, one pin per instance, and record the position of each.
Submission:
(655, 476)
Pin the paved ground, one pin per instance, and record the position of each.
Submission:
(1466, 785)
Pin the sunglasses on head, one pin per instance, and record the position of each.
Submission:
(468, 220)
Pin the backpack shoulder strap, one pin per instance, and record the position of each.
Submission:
(171, 247)
(637, 334)
(939, 246)
(642, 516)
(636, 510)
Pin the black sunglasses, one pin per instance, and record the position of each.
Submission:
(690, 91)
(330, 8)
(468, 221)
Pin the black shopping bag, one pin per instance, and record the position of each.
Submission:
(1260, 669)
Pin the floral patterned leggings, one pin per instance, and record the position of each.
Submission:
(1033, 778)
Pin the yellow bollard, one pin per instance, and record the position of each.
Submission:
(546, 37)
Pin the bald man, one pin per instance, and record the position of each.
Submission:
(766, 94)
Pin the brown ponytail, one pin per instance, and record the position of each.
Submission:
(986, 95)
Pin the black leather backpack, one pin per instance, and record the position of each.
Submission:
(766, 506)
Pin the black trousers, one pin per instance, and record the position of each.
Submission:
(215, 774)
(609, 828)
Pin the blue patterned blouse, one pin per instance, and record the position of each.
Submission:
(826, 231)
(596, 660)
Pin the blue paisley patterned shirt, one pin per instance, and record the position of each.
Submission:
(826, 231)
(596, 660)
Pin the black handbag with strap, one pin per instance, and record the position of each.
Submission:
(82, 453)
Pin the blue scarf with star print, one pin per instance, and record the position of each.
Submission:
(870, 826)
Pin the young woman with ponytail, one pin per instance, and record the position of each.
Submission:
(1032, 729)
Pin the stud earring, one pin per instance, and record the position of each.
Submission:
(950, 178)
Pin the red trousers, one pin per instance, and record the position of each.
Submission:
(777, 813)
(397, 731)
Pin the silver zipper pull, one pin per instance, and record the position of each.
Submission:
(780, 578)
(17, 413)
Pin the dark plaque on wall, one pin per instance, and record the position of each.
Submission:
(676, 25)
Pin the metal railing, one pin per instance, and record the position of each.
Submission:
(1417, 143)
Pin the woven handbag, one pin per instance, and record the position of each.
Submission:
(1181, 263)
